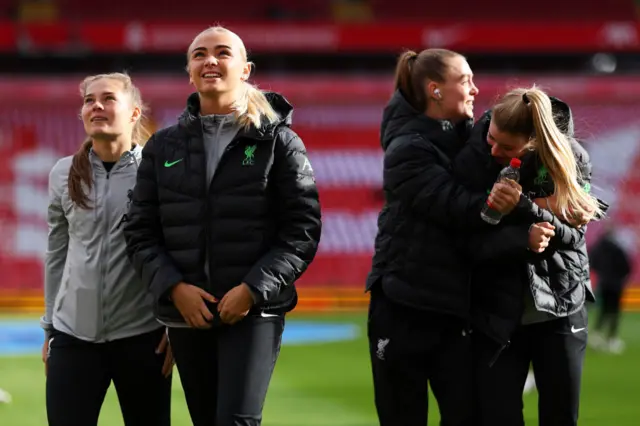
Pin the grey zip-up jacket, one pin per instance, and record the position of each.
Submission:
(91, 289)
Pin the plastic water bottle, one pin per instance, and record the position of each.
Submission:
(512, 172)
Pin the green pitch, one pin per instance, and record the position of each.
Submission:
(330, 384)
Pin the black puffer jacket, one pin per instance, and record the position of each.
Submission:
(504, 268)
(259, 219)
(417, 259)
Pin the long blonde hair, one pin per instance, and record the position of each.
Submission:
(252, 106)
(528, 112)
(80, 172)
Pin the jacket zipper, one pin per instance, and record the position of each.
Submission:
(106, 248)
(103, 262)
(209, 194)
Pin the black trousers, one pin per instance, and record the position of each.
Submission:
(610, 300)
(225, 371)
(556, 349)
(410, 349)
(79, 374)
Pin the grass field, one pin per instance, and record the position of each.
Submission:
(330, 384)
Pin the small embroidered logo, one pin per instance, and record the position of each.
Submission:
(382, 345)
(249, 153)
(542, 176)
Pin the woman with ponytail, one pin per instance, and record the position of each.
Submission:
(99, 318)
(225, 218)
(528, 300)
(419, 311)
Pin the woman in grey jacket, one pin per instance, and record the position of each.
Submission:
(99, 318)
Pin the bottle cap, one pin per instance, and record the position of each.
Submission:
(515, 163)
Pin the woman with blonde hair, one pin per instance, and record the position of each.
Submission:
(528, 302)
(225, 218)
(99, 320)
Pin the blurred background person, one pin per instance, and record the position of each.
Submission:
(334, 61)
(611, 262)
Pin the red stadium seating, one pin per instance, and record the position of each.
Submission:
(319, 10)
(495, 10)
(209, 12)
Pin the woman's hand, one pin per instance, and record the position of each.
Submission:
(540, 235)
(189, 300)
(504, 196)
(235, 304)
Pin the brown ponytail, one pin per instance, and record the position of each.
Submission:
(404, 81)
(414, 70)
(80, 174)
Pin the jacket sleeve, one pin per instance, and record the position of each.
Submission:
(143, 230)
(57, 244)
(413, 175)
(299, 221)
(471, 167)
(566, 235)
(512, 239)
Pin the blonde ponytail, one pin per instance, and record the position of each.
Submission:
(253, 108)
(528, 112)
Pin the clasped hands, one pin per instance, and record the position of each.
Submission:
(190, 301)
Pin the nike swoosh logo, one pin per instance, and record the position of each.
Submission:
(575, 330)
(173, 163)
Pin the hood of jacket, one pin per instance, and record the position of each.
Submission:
(400, 118)
(190, 117)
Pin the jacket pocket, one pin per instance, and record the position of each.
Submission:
(78, 311)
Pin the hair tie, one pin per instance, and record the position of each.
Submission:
(525, 98)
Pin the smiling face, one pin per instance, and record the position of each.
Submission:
(108, 111)
(456, 94)
(217, 62)
(505, 146)
(458, 91)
